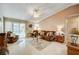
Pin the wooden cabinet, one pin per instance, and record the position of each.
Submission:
(72, 50)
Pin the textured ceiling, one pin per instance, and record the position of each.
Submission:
(25, 10)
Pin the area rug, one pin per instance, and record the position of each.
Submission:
(40, 44)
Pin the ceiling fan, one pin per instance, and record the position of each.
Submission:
(36, 12)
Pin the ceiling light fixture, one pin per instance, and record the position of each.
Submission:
(36, 12)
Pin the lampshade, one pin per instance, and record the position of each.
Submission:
(36, 26)
(74, 31)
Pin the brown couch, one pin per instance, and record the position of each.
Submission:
(47, 35)
(50, 36)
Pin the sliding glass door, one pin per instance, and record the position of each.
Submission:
(17, 28)
(22, 30)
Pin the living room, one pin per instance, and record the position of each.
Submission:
(39, 28)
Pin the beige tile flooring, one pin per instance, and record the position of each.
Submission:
(24, 47)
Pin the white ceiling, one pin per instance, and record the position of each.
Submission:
(24, 11)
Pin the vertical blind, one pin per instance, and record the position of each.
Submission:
(15, 26)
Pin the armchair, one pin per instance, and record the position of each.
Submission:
(3, 44)
(11, 39)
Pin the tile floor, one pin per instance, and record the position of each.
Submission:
(25, 47)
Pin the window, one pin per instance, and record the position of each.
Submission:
(22, 29)
(16, 27)
(8, 26)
